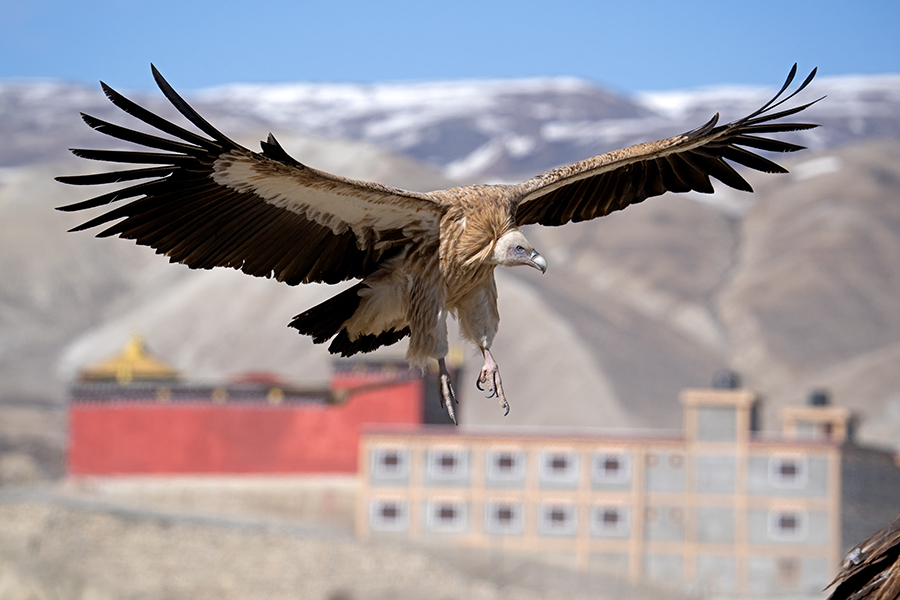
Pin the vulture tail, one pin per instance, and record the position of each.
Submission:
(326, 320)
(344, 346)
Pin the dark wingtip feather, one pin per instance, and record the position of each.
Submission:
(188, 111)
(275, 151)
(115, 176)
(705, 128)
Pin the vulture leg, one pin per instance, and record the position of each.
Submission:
(448, 396)
(490, 376)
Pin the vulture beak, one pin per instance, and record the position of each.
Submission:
(537, 261)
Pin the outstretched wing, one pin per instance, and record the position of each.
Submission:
(209, 202)
(600, 185)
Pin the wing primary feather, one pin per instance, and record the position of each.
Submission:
(137, 137)
(154, 120)
(189, 113)
(719, 169)
(164, 210)
(779, 115)
(787, 83)
(778, 127)
(768, 144)
(751, 160)
(129, 156)
(113, 177)
(802, 87)
(151, 228)
(145, 204)
(114, 196)
(164, 204)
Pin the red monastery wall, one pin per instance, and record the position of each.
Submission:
(147, 437)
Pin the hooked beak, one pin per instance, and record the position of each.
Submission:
(537, 261)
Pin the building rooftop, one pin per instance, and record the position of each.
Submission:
(133, 363)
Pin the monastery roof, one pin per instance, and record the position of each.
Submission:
(133, 363)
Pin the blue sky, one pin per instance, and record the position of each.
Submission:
(627, 45)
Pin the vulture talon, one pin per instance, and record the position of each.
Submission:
(490, 376)
(448, 396)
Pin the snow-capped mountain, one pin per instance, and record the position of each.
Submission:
(471, 130)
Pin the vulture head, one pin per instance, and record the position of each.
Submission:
(513, 249)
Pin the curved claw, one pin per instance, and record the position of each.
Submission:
(448, 396)
(451, 413)
(490, 376)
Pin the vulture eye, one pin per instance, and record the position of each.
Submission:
(520, 249)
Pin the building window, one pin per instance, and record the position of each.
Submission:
(390, 463)
(505, 465)
(448, 463)
(612, 468)
(447, 516)
(787, 471)
(557, 519)
(609, 521)
(788, 525)
(559, 467)
(388, 515)
(504, 518)
(788, 572)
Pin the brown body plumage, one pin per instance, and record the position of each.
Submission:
(871, 570)
(420, 257)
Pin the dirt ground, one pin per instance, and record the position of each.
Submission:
(65, 541)
(32, 442)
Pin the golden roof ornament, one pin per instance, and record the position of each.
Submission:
(133, 363)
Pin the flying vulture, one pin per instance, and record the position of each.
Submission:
(206, 201)
(871, 570)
